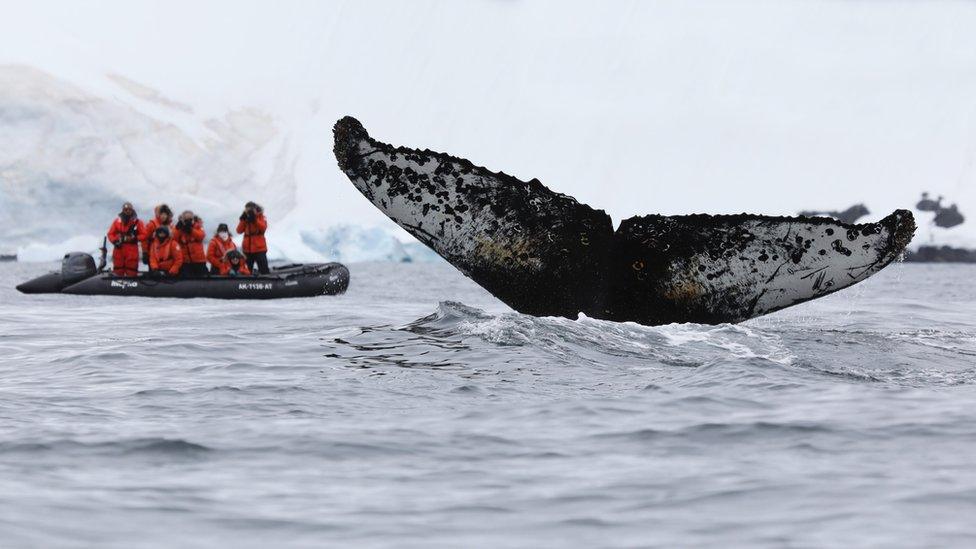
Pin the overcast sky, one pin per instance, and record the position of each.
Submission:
(635, 107)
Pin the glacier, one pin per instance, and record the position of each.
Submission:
(69, 158)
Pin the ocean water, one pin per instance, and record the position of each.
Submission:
(418, 411)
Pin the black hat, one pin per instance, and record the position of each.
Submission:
(164, 209)
(162, 229)
(223, 227)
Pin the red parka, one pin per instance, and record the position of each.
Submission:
(192, 243)
(151, 227)
(253, 232)
(125, 236)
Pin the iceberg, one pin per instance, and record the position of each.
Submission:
(37, 251)
(70, 157)
(348, 244)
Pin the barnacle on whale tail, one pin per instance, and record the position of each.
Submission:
(543, 253)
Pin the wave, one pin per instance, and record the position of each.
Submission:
(721, 431)
(457, 336)
(147, 446)
(909, 358)
(777, 355)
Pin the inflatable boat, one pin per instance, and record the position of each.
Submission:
(80, 276)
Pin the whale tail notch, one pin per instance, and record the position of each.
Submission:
(543, 253)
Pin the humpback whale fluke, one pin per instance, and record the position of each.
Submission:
(543, 253)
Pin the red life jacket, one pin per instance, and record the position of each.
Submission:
(217, 249)
(166, 256)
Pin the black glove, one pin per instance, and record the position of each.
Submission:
(243, 216)
(145, 258)
(117, 242)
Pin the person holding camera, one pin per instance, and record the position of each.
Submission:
(164, 218)
(165, 254)
(190, 235)
(253, 225)
(125, 234)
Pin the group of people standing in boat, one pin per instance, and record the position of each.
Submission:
(174, 247)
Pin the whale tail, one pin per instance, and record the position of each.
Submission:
(544, 253)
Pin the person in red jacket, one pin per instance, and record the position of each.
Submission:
(220, 244)
(164, 218)
(189, 233)
(165, 254)
(253, 225)
(125, 234)
(234, 265)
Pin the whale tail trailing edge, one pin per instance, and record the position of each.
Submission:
(544, 253)
(728, 268)
(536, 250)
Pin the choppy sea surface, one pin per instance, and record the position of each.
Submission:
(418, 411)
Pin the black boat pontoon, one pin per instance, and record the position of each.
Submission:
(80, 276)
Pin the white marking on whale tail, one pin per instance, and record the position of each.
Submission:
(544, 253)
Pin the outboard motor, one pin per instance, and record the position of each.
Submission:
(77, 266)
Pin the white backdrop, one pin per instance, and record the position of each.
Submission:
(635, 107)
